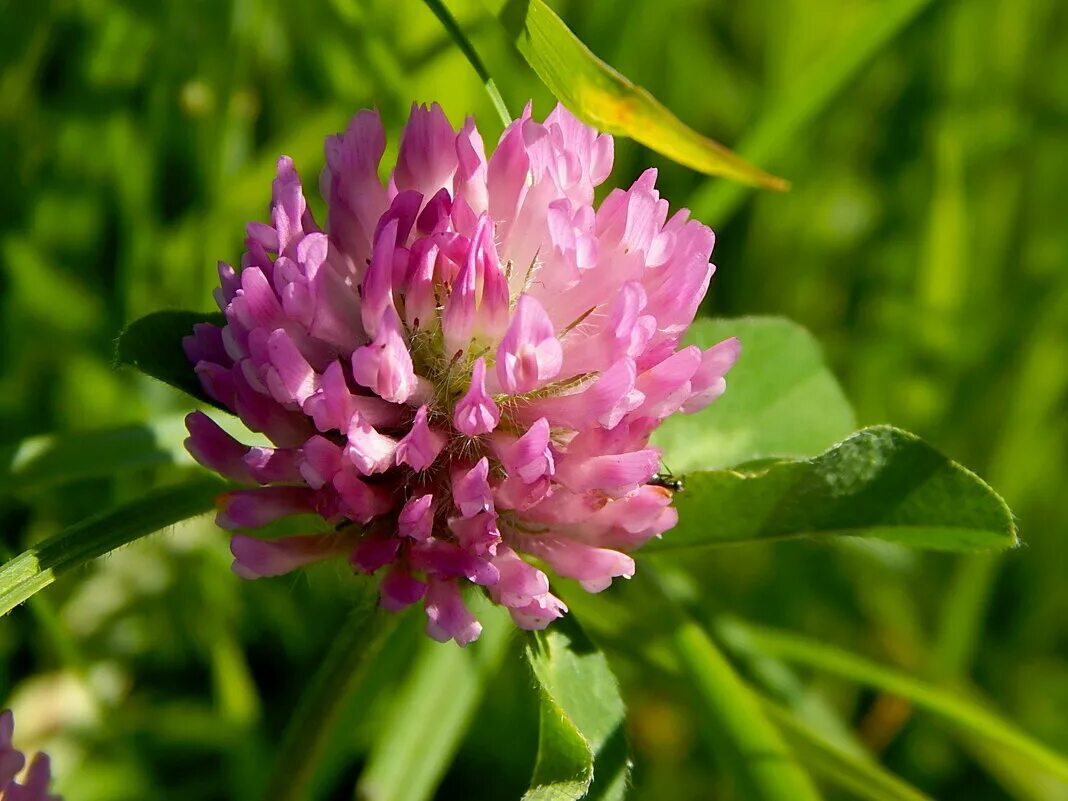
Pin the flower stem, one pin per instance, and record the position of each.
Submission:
(319, 709)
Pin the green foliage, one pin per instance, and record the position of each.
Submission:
(953, 706)
(602, 97)
(922, 243)
(582, 746)
(881, 483)
(34, 569)
(405, 765)
(763, 768)
(782, 401)
(861, 776)
(153, 345)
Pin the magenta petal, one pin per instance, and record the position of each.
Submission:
(477, 535)
(539, 613)
(708, 383)
(255, 508)
(416, 519)
(361, 501)
(520, 582)
(370, 451)
(446, 560)
(215, 449)
(529, 456)
(385, 365)
(447, 617)
(594, 568)
(373, 552)
(11, 760)
(258, 558)
(399, 590)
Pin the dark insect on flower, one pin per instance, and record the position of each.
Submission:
(667, 481)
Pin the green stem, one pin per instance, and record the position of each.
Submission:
(318, 712)
(453, 28)
(762, 766)
(756, 754)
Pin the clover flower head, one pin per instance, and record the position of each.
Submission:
(461, 370)
(12, 761)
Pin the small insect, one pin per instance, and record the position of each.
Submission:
(666, 480)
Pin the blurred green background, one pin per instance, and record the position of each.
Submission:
(924, 243)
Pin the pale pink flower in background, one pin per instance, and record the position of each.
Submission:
(34, 786)
(460, 370)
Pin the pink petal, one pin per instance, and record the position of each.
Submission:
(258, 558)
(416, 518)
(594, 568)
(530, 354)
(471, 490)
(476, 412)
(369, 450)
(447, 617)
(420, 446)
(255, 508)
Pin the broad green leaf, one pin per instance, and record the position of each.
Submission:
(609, 101)
(881, 483)
(153, 344)
(862, 777)
(33, 570)
(781, 400)
(948, 703)
(445, 685)
(762, 767)
(582, 749)
(54, 459)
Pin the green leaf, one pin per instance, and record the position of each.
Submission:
(862, 777)
(880, 483)
(947, 703)
(404, 764)
(54, 459)
(609, 101)
(762, 767)
(33, 570)
(153, 345)
(582, 749)
(781, 400)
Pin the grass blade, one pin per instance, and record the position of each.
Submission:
(945, 702)
(444, 685)
(863, 778)
(54, 459)
(762, 766)
(452, 27)
(34, 569)
(319, 711)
